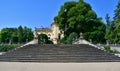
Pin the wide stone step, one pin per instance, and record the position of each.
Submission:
(61, 60)
(67, 54)
(12, 56)
(58, 53)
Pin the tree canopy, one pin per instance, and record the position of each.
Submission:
(79, 17)
(71, 37)
(113, 34)
(43, 39)
(15, 35)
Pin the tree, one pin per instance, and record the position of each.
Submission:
(78, 17)
(117, 33)
(117, 12)
(7, 34)
(113, 35)
(108, 24)
(117, 23)
(28, 34)
(71, 37)
(110, 33)
(15, 35)
(4, 35)
(20, 34)
(25, 34)
(43, 39)
(108, 21)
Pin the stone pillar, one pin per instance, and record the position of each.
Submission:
(81, 36)
(90, 40)
(107, 43)
(35, 35)
(81, 39)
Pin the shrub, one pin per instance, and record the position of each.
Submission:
(7, 47)
(49, 42)
(43, 38)
(108, 49)
(63, 40)
(72, 36)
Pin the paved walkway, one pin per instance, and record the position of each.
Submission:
(14, 66)
(35, 41)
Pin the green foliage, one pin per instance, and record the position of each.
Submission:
(15, 35)
(3, 35)
(117, 12)
(63, 40)
(20, 34)
(108, 49)
(71, 37)
(79, 17)
(6, 47)
(107, 21)
(95, 36)
(49, 42)
(43, 39)
(28, 34)
(6, 34)
(113, 34)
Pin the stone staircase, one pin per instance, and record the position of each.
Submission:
(58, 53)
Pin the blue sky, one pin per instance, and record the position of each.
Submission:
(37, 13)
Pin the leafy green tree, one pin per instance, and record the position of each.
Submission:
(79, 17)
(117, 23)
(49, 42)
(117, 12)
(0, 37)
(71, 37)
(43, 39)
(15, 35)
(4, 35)
(108, 22)
(63, 41)
(113, 35)
(20, 34)
(117, 33)
(30, 35)
(27, 34)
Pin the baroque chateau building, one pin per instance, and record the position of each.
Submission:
(54, 34)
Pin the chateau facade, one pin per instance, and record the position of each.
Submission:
(54, 34)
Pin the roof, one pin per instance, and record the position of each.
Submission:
(43, 30)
